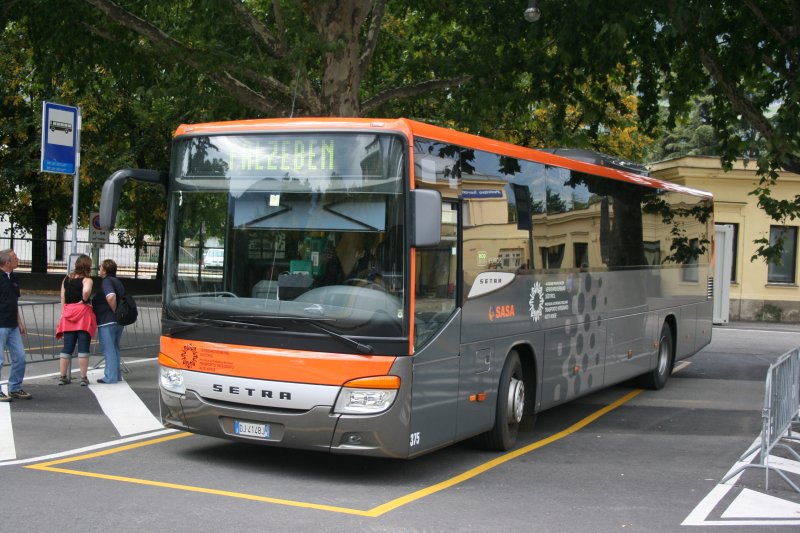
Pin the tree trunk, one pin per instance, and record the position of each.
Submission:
(59, 242)
(338, 24)
(41, 217)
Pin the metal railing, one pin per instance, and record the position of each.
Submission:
(41, 320)
(142, 266)
(781, 410)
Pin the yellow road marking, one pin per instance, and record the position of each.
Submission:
(203, 490)
(50, 466)
(480, 469)
(110, 451)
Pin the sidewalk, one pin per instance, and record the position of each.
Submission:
(785, 327)
(46, 372)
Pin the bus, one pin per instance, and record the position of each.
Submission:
(389, 287)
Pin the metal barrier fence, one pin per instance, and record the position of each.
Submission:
(781, 410)
(41, 320)
(144, 265)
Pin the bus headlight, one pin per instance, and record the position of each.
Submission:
(367, 395)
(172, 380)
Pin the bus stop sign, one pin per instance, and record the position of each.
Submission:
(60, 140)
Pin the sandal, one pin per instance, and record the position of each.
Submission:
(63, 380)
(84, 381)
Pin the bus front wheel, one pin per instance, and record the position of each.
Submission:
(657, 378)
(510, 406)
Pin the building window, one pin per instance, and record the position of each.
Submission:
(510, 258)
(652, 252)
(784, 272)
(581, 251)
(552, 256)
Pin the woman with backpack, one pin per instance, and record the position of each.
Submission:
(109, 331)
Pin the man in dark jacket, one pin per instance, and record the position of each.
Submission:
(11, 327)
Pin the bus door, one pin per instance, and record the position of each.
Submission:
(437, 331)
(632, 332)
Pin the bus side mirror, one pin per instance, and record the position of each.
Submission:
(426, 216)
(112, 188)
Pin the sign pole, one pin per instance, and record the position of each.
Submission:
(61, 152)
(75, 181)
(75, 184)
(98, 237)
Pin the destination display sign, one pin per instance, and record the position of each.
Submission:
(298, 155)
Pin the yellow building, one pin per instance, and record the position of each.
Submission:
(758, 291)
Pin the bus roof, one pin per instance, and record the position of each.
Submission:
(413, 128)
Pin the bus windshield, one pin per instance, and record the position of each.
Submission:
(288, 229)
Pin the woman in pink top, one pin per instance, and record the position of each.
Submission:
(78, 324)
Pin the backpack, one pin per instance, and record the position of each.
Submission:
(126, 312)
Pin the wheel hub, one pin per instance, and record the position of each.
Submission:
(516, 400)
(663, 356)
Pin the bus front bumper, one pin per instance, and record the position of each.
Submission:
(382, 435)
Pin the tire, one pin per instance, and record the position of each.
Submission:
(510, 407)
(657, 378)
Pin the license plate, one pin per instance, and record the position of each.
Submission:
(249, 429)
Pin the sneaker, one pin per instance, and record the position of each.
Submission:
(64, 380)
(4, 398)
(84, 381)
(20, 395)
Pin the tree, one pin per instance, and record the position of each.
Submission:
(131, 101)
(692, 134)
(568, 80)
(745, 54)
(575, 77)
(362, 57)
(30, 199)
(306, 57)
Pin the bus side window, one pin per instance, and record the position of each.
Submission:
(436, 277)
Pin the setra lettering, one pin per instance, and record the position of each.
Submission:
(264, 393)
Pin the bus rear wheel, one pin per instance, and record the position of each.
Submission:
(510, 406)
(657, 378)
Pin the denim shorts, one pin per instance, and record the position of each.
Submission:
(71, 338)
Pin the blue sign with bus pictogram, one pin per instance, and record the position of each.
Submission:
(60, 139)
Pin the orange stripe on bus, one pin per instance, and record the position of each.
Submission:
(312, 124)
(297, 366)
(412, 129)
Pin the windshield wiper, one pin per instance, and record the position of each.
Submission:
(365, 349)
(186, 326)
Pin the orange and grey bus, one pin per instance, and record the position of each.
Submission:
(388, 287)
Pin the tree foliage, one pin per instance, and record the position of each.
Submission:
(745, 55)
(304, 57)
(567, 80)
(588, 74)
(130, 98)
(691, 135)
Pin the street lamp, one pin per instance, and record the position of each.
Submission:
(532, 13)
